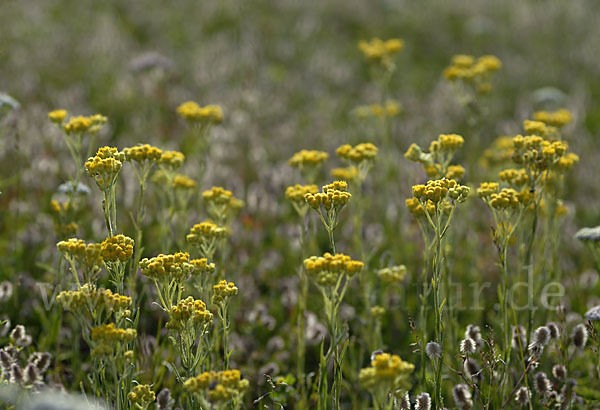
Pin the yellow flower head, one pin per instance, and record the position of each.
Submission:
(365, 151)
(220, 386)
(88, 255)
(517, 178)
(104, 167)
(57, 116)
(223, 291)
(141, 395)
(189, 310)
(393, 274)
(110, 334)
(326, 269)
(333, 196)
(535, 127)
(380, 51)
(202, 266)
(438, 191)
(171, 159)
(141, 153)
(486, 189)
(81, 124)
(308, 158)
(166, 267)
(117, 248)
(344, 174)
(387, 370)
(558, 118)
(181, 181)
(192, 112)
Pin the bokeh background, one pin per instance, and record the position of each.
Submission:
(288, 74)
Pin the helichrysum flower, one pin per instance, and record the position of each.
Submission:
(171, 159)
(387, 370)
(97, 299)
(392, 274)
(58, 116)
(499, 153)
(106, 337)
(556, 118)
(535, 127)
(81, 124)
(118, 248)
(365, 151)
(142, 395)
(473, 72)
(205, 235)
(142, 152)
(202, 266)
(189, 310)
(308, 159)
(333, 196)
(167, 267)
(389, 109)
(223, 291)
(438, 191)
(436, 162)
(221, 204)
(296, 193)
(327, 269)
(181, 181)
(381, 51)
(218, 386)
(517, 178)
(194, 113)
(104, 167)
(347, 174)
(87, 255)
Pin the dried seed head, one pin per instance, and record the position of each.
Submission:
(468, 346)
(24, 341)
(18, 332)
(522, 396)
(40, 360)
(164, 400)
(6, 290)
(6, 360)
(16, 374)
(559, 371)
(423, 402)
(593, 313)
(474, 333)
(580, 336)
(519, 338)
(472, 369)
(541, 383)
(5, 328)
(32, 375)
(433, 350)
(541, 336)
(405, 402)
(554, 330)
(462, 396)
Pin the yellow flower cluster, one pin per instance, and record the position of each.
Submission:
(142, 395)
(221, 203)
(387, 370)
(447, 143)
(99, 298)
(454, 172)
(221, 386)
(499, 153)
(181, 181)
(345, 174)
(117, 248)
(202, 266)
(327, 269)
(440, 190)
(535, 127)
(536, 153)
(516, 178)
(105, 166)
(189, 309)
(81, 124)
(58, 116)
(89, 255)
(381, 51)
(467, 68)
(308, 158)
(167, 267)
(566, 162)
(193, 112)
(297, 192)
(389, 109)
(365, 151)
(223, 291)
(205, 231)
(106, 336)
(507, 198)
(556, 118)
(436, 162)
(486, 189)
(392, 274)
(142, 152)
(171, 159)
(333, 196)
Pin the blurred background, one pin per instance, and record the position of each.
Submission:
(288, 75)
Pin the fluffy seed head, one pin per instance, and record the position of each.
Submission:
(433, 350)
(423, 402)
(522, 396)
(462, 396)
(580, 336)
(468, 346)
(541, 383)
(554, 330)
(559, 371)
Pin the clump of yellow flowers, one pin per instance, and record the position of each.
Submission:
(170, 160)
(329, 270)
(80, 124)
(390, 108)
(472, 74)
(222, 294)
(61, 212)
(192, 112)
(206, 236)
(331, 199)
(296, 193)
(392, 274)
(87, 256)
(91, 302)
(107, 339)
(437, 161)
(360, 157)
(221, 388)
(381, 51)
(166, 268)
(221, 204)
(387, 378)
(558, 118)
(141, 396)
(309, 163)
